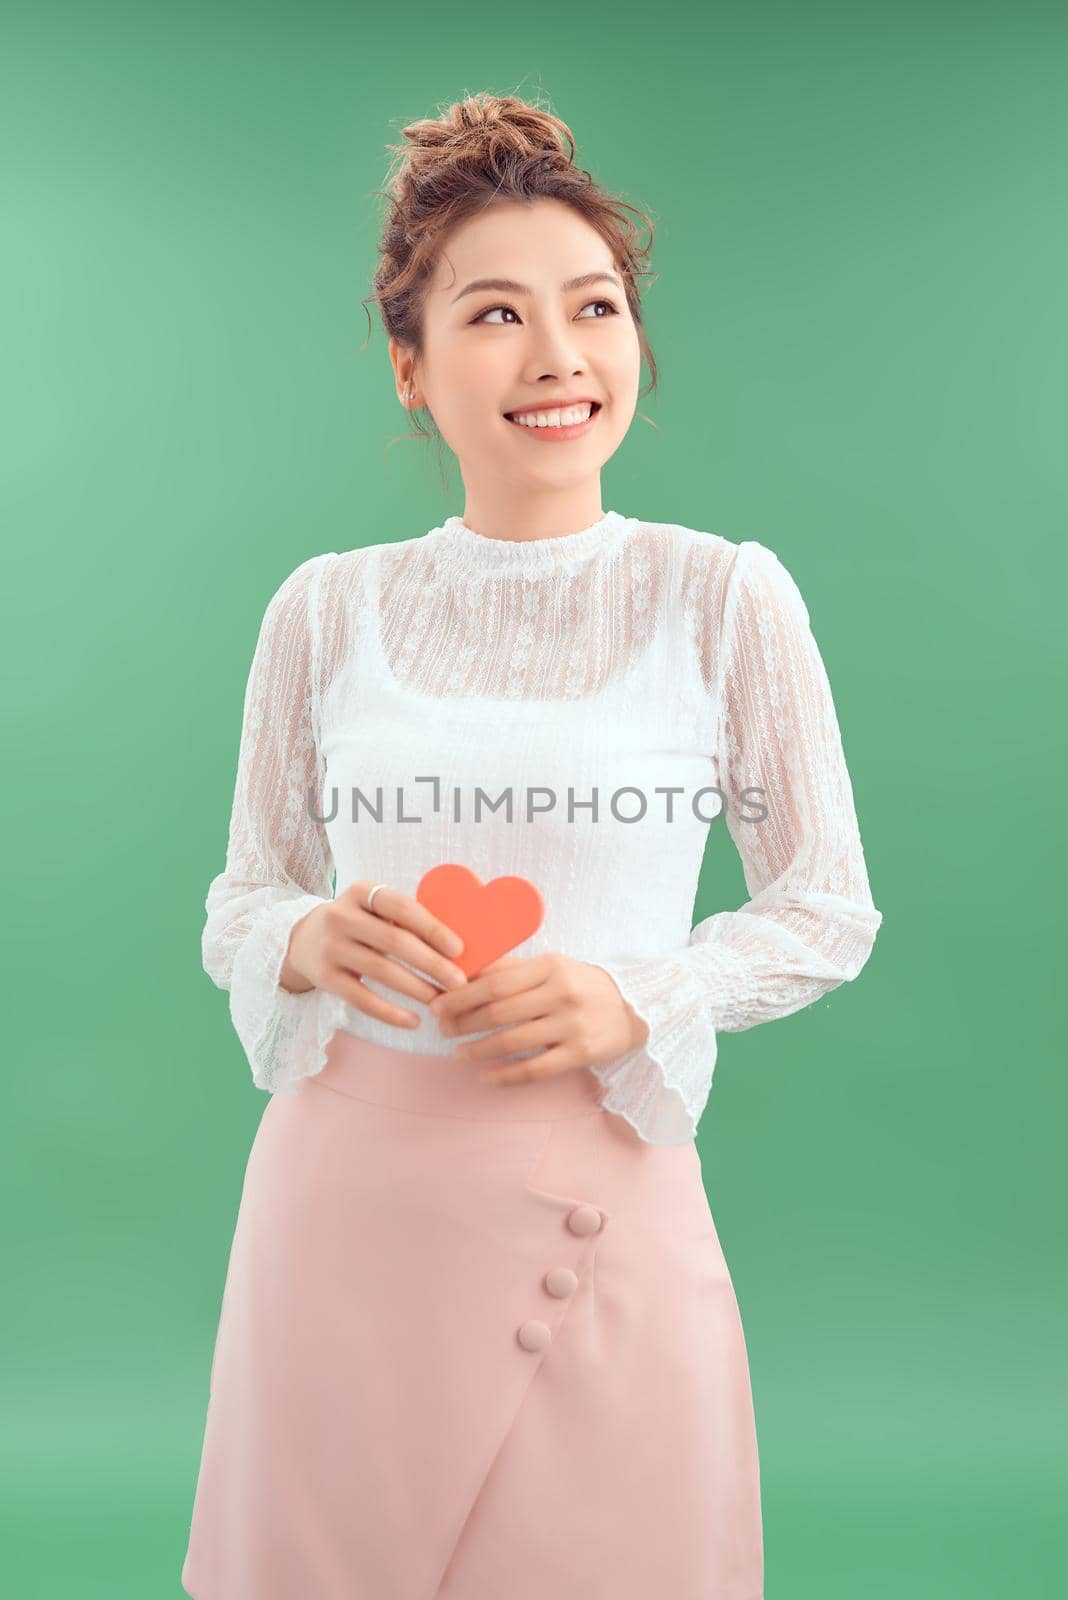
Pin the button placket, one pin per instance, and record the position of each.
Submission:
(561, 1282)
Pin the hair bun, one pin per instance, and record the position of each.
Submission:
(494, 130)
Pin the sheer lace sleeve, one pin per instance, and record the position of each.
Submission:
(810, 923)
(278, 861)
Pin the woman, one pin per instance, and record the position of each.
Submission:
(478, 1337)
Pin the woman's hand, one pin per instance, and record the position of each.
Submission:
(339, 944)
(573, 1008)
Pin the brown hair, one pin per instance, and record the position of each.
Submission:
(488, 150)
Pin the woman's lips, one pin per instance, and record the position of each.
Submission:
(549, 435)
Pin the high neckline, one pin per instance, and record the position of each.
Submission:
(492, 551)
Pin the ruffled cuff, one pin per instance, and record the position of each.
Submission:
(661, 1087)
(284, 1035)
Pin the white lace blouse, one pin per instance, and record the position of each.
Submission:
(564, 709)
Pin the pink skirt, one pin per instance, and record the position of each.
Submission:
(476, 1341)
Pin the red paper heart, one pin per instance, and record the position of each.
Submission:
(491, 918)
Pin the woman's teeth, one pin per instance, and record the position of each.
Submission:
(552, 419)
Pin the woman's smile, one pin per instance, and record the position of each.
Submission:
(555, 431)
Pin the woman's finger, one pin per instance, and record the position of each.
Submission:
(367, 962)
(412, 914)
(403, 928)
(497, 984)
(526, 1006)
(527, 1035)
(558, 1058)
(351, 988)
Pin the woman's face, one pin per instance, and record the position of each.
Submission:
(492, 350)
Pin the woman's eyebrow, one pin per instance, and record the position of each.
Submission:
(510, 286)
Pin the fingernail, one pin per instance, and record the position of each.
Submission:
(455, 944)
(456, 977)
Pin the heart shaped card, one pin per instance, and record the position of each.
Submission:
(491, 918)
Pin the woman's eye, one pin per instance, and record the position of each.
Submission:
(613, 310)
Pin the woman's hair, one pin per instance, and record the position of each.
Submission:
(488, 150)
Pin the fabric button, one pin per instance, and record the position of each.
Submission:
(584, 1219)
(561, 1282)
(534, 1335)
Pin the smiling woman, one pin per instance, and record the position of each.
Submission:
(478, 1336)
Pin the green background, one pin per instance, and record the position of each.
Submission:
(860, 233)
